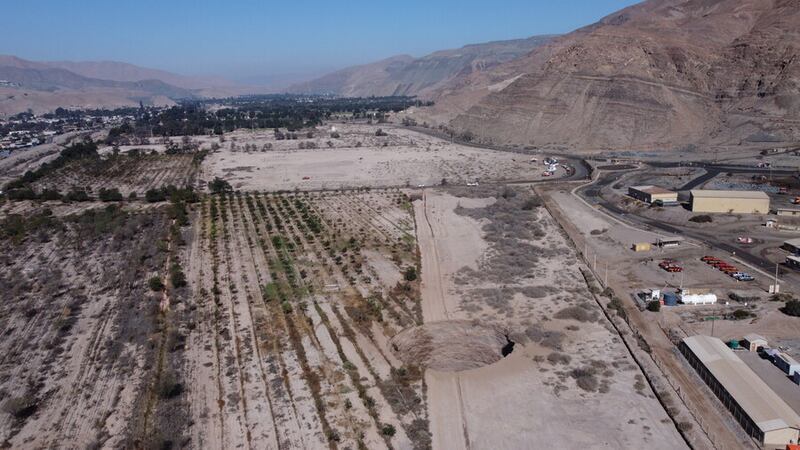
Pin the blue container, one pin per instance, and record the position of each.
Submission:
(670, 299)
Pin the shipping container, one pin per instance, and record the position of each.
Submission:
(642, 247)
(670, 299)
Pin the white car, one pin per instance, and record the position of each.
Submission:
(474, 183)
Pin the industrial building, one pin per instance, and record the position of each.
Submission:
(757, 408)
(786, 363)
(787, 211)
(741, 202)
(753, 342)
(792, 245)
(651, 194)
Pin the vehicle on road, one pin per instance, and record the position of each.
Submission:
(744, 240)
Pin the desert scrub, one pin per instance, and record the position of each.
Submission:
(155, 284)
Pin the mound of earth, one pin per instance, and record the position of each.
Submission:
(452, 346)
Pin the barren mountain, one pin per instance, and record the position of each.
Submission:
(41, 87)
(406, 75)
(661, 74)
(120, 71)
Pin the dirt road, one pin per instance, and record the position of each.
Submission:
(446, 404)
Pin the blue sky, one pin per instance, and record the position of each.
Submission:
(249, 37)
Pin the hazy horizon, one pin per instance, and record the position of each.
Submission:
(254, 41)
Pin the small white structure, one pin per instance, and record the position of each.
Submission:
(754, 341)
(786, 363)
(697, 298)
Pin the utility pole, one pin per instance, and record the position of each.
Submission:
(776, 289)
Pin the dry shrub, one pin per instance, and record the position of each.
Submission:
(545, 338)
(585, 378)
(577, 313)
(559, 358)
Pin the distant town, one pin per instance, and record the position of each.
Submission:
(27, 129)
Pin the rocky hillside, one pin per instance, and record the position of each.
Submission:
(406, 75)
(658, 75)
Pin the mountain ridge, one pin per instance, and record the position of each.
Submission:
(662, 74)
(407, 75)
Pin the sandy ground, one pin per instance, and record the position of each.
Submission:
(359, 158)
(628, 274)
(521, 402)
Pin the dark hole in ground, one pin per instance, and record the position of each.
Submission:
(508, 348)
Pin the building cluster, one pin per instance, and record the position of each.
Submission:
(30, 130)
(764, 415)
(706, 200)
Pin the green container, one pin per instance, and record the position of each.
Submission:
(734, 344)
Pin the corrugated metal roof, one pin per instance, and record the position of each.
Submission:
(752, 337)
(652, 189)
(788, 359)
(761, 403)
(710, 193)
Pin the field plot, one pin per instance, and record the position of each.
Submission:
(530, 358)
(298, 295)
(128, 173)
(358, 158)
(84, 361)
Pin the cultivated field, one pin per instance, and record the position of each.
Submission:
(82, 333)
(128, 173)
(297, 297)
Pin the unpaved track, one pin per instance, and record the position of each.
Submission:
(448, 423)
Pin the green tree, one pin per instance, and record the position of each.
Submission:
(155, 284)
(110, 195)
(792, 308)
(219, 186)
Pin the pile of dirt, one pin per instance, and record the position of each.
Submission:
(452, 346)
